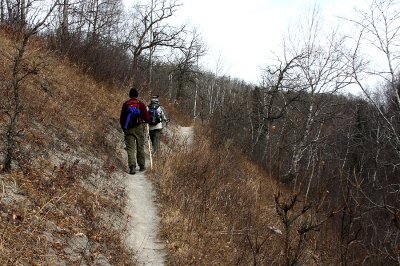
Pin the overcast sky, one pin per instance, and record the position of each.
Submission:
(242, 35)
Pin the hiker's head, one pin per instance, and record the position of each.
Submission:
(154, 99)
(133, 93)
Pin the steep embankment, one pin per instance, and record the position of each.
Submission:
(63, 201)
(217, 208)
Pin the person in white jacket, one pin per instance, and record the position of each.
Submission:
(158, 120)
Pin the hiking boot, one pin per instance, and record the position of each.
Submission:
(142, 168)
(132, 170)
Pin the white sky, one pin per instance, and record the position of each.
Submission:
(243, 34)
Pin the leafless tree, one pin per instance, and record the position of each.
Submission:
(98, 19)
(298, 223)
(313, 66)
(148, 29)
(187, 62)
(379, 33)
(15, 13)
(64, 22)
(324, 71)
(21, 70)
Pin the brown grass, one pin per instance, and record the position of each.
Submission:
(176, 115)
(216, 207)
(64, 201)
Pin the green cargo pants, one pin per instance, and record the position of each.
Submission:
(134, 141)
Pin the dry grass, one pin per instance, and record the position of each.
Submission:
(217, 209)
(176, 115)
(64, 201)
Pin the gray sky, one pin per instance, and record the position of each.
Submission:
(242, 35)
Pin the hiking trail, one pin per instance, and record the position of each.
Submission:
(144, 224)
(143, 227)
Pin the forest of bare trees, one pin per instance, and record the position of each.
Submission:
(302, 126)
(299, 123)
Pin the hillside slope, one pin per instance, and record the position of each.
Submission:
(63, 202)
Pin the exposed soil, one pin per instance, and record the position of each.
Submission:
(144, 225)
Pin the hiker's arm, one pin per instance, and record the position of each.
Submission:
(164, 115)
(143, 109)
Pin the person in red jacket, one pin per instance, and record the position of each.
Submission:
(133, 117)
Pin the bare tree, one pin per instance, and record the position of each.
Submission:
(148, 29)
(15, 12)
(187, 61)
(313, 66)
(324, 71)
(64, 25)
(103, 17)
(379, 32)
(21, 70)
(298, 224)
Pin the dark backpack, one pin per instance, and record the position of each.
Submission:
(155, 117)
(133, 114)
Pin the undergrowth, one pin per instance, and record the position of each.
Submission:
(216, 208)
(220, 209)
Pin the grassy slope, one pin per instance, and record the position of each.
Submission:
(215, 205)
(219, 209)
(63, 202)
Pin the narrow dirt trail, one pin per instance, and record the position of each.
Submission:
(143, 229)
(144, 225)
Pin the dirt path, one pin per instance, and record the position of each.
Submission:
(144, 225)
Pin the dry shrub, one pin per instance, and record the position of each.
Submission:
(217, 208)
(175, 113)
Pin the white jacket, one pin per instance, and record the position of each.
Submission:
(163, 116)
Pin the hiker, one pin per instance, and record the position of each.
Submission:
(133, 117)
(157, 118)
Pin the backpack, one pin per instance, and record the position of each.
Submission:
(133, 114)
(155, 116)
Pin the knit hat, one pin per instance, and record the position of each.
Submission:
(154, 99)
(133, 93)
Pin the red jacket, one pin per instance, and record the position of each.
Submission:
(145, 117)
